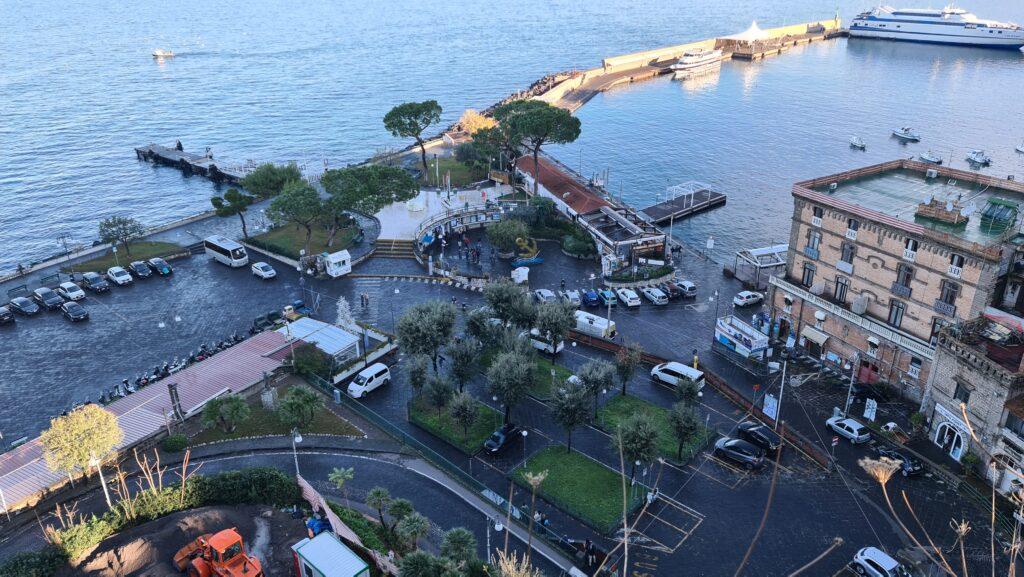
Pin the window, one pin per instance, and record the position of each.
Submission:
(813, 239)
(819, 212)
(896, 310)
(937, 324)
(949, 293)
(956, 260)
(904, 274)
(808, 278)
(849, 250)
(853, 224)
(842, 286)
(962, 393)
(910, 245)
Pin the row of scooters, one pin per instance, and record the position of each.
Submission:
(205, 351)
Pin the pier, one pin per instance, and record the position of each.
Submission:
(683, 200)
(190, 162)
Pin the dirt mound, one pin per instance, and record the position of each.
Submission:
(147, 550)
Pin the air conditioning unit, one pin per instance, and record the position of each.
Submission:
(832, 187)
(818, 288)
(859, 305)
(931, 173)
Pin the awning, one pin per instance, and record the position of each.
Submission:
(814, 335)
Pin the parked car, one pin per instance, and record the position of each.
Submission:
(671, 290)
(160, 266)
(499, 438)
(263, 271)
(119, 276)
(372, 377)
(541, 342)
(23, 306)
(543, 295)
(909, 466)
(94, 282)
(875, 563)
(71, 291)
(6, 316)
(607, 297)
(590, 298)
(47, 299)
(747, 298)
(74, 312)
(628, 297)
(654, 295)
(760, 435)
(849, 428)
(673, 373)
(140, 269)
(571, 297)
(740, 452)
(688, 289)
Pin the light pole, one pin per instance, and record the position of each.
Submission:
(525, 434)
(849, 390)
(393, 313)
(296, 438)
(782, 389)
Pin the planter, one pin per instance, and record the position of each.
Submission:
(506, 255)
(639, 282)
(579, 257)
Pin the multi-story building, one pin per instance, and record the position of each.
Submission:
(911, 274)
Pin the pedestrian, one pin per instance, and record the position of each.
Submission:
(367, 299)
(563, 284)
(391, 555)
(21, 269)
(588, 550)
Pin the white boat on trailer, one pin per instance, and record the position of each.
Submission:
(906, 134)
(858, 143)
(931, 157)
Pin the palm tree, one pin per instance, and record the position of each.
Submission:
(299, 407)
(380, 499)
(339, 476)
(534, 480)
(413, 528)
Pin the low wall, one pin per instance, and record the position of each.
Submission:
(643, 58)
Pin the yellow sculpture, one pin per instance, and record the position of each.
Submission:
(527, 247)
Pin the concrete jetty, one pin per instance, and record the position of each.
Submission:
(695, 199)
(190, 162)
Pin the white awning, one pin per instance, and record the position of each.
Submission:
(814, 335)
(751, 34)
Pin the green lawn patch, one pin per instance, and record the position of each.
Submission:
(541, 372)
(422, 414)
(141, 250)
(618, 408)
(288, 240)
(263, 422)
(461, 174)
(579, 485)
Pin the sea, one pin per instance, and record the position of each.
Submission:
(310, 82)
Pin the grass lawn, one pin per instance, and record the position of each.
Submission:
(442, 426)
(579, 485)
(264, 422)
(141, 250)
(620, 407)
(461, 174)
(288, 240)
(541, 372)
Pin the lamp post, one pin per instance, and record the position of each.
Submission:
(296, 439)
(393, 313)
(849, 390)
(525, 434)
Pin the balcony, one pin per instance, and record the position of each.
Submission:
(909, 255)
(851, 234)
(811, 253)
(816, 221)
(844, 266)
(914, 371)
(899, 290)
(944, 308)
(954, 271)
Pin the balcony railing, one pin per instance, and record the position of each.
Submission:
(909, 255)
(851, 234)
(845, 266)
(945, 308)
(954, 271)
(899, 290)
(811, 253)
(914, 371)
(816, 221)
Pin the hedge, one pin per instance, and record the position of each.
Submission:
(40, 563)
(174, 443)
(367, 531)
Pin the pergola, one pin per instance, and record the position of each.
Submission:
(754, 264)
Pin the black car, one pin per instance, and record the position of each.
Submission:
(94, 282)
(23, 306)
(140, 269)
(499, 438)
(760, 435)
(6, 316)
(47, 298)
(909, 466)
(670, 290)
(160, 266)
(740, 452)
(74, 312)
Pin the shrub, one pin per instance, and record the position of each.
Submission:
(970, 462)
(577, 246)
(254, 485)
(917, 421)
(174, 443)
(367, 531)
(309, 360)
(42, 563)
(643, 272)
(504, 234)
(77, 540)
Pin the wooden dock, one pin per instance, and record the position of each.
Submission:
(190, 162)
(683, 205)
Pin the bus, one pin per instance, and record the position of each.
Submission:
(226, 251)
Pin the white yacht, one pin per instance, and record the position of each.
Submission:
(696, 59)
(979, 157)
(1020, 147)
(948, 25)
(906, 134)
(858, 142)
(931, 157)
(161, 53)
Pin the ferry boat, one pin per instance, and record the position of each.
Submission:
(948, 25)
(696, 59)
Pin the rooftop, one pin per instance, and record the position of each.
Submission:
(580, 198)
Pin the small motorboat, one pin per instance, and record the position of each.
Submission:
(931, 157)
(858, 143)
(697, 59)
(979, 157)
(906, 134)
(1020, 147)
(161, 53)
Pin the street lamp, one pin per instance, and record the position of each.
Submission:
(296, 439)
(525, 434)
(393, 313)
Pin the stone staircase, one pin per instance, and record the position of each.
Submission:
(394, 248)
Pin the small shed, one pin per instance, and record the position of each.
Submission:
(337, 264)
(753, 266)
(338, 343)
(326, 556)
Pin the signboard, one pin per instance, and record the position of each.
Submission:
(835, 441)
(870, 409)
(771, 406)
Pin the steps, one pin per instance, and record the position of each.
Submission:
(395, 248)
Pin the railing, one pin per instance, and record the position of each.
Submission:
(954, 271)
(811, 253)
(844, 266)
(900, 290)
(914, 371)
(944, 308)
(816, 221)
(909, 255)
(851, 233)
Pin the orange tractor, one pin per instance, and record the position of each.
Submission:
(220, 554)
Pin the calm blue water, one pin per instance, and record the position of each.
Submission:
(266, 81)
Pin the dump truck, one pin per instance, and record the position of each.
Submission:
(220, 554)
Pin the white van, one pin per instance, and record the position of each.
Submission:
(541, 342)
(594, 325)
(673, 373)
(368, 379)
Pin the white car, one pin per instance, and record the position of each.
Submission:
(747, 298)
(628, 297)
(571, 297)
(654, 295)
(849, 428)
(674, 373)
(543, 295)
(875, 563)
(119, 276)
(263, 270)
(689, 289)
(71, 291)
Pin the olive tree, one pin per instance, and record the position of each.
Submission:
(509, 378)
(570, 407)
(505, 234)
(627, 360)
(684, 421)
(439, 391)
(416, 367)
(554, 319)
(508, 301)
(464, 410)
(464, 354)
(596, 378)
(82, 439)
(426, 327)
(637, 438)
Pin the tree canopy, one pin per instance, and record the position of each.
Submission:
(410, 119)
(596, 377)
(269, 179)
(504, 234)
(637, 436)
(627, 360)
(298, 204)
(368, 188)
(226, 412)
(554, 319)
(233, 202)
(570, 407)
(121, 229)
(464, 354)
(540, 125)
(503, 297)
(299, 407)
(684, 421)
(426, 327)
(510, 377)
(75, 439)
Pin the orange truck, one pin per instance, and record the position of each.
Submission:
(220, 554)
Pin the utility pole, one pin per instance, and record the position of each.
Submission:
(782, 389)
(849, 390)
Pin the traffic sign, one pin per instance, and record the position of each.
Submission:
(835, 441)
